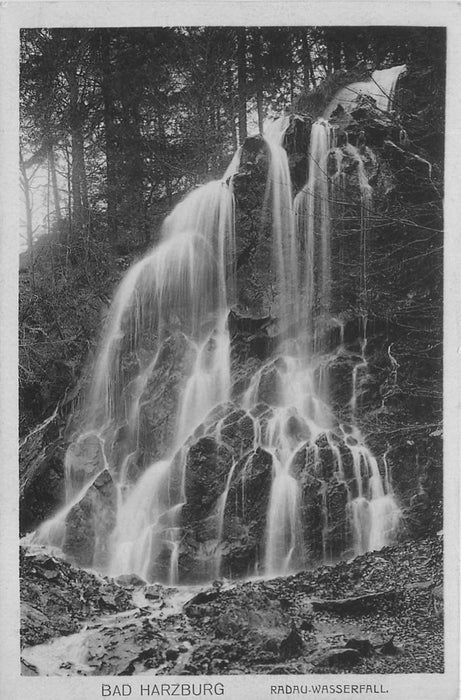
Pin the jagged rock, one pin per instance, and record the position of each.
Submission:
(33, 624)
(340, 658)
(307, 626)
(254, 153)
(172, 654)
(245, 514)
(146, 659)
(208, 464)
(358, 605)
(389, 648)
(337, 534)
(255, 270)
(243, 523)
(296, 143)
(159, 400)
(153, 592)
(85, 459)
(363, 646)
(95, 512)
(237, 432)
(340, 370)
(41, 472)
(292, 645)
(202, 598)
(251, 627)
(57, 606)
(129, 580)
(436, 601)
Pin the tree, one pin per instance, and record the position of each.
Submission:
(242, 83)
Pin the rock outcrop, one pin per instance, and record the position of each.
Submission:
(382, 355)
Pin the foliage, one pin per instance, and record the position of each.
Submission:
(130, 119)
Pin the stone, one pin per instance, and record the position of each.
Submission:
(153, 592)
(292, 645)
(339, 658)
(172, 654)
(129, 580)
(90, 522)
(389, 648)
(358, 605)
(159, 400)
(363, 646)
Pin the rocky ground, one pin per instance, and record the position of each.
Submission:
(379, 613)
(57, 597)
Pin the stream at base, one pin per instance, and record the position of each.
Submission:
(110, 643)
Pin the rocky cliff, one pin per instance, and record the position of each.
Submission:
(382, 346)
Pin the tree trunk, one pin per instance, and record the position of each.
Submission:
(28, 202)
(336, 55)
(256, 50)
(231, 107)
(79, 185)
(132, 198)
(333, 44)
(242, 83)
(54, 184)
(349, 48)
(70, 213)
(110, 133)
(308, 69)
(26, 189)
(164, 155)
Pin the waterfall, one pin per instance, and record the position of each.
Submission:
(312, 212)
(380, 88)
(168, 327)
(174, 300)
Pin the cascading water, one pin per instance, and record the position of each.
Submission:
(175, 299)
(167, 326)
(380, 87)
(312, 212)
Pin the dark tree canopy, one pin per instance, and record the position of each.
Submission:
(135, 117)
(121, 123)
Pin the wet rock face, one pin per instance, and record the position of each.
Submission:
(297, 146)
(255, 265)
(325, 495)
(245, 515)
(207, 466)
(94, 513)
(227, 487)
(159, 400)
(41, 473)
(419, 460)
(252, 343)
(368, 144)
(57, 598)
(84, 459)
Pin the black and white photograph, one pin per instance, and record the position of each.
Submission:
(231, 325)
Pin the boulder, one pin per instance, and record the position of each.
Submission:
(339, 658)
(90, 522)
(359, 605)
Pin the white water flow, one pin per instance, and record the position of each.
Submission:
(167, 327)
(173, 303)
(312, 214)
(380, 88)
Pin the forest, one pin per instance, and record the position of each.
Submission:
(123, 123)
(300, 437)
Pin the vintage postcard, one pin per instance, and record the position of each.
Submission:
(230, 350)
